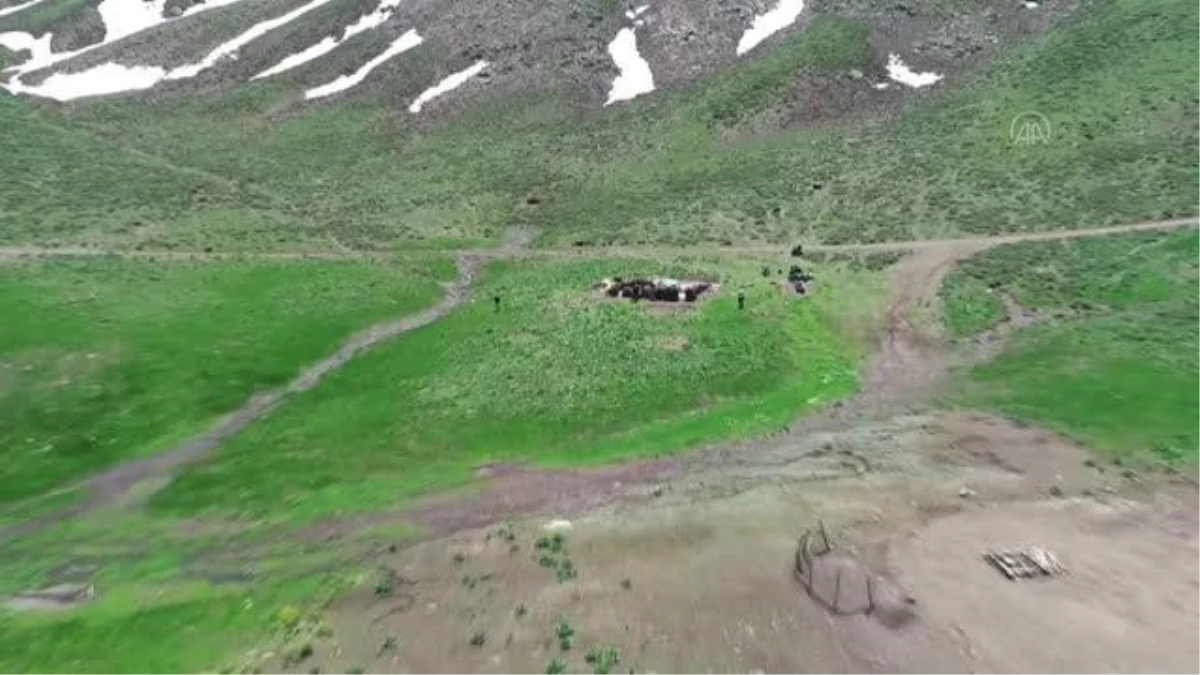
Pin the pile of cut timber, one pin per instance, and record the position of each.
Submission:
(1028, 563)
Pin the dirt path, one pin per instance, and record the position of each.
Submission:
(901, 371)
(907, 363)
(110, 485)
(9, 253)
(904, 368)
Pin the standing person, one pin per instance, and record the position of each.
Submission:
(496, 299)
(741, 299)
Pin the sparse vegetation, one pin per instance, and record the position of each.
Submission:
(478, 639)
(564, 632)
(298, 653)
(556, 667)
(389, 644)
(551, 544)
(386, 583)
(555, 556)
(506, 532)
(288, 618)
(565, 570)
(603, 659)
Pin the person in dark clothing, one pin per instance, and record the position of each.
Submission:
(741, 299)
(798, 251)
(496, 299)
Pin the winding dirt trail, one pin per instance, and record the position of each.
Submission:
(110, 485)
(11, 253)
(904, 367)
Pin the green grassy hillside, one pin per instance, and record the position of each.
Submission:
(1119, 371)
(63, 186)
(558, 376)
(1117, 82)
(114, 359)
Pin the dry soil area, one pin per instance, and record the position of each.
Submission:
(700, 577)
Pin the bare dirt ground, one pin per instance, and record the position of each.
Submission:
(700, 578)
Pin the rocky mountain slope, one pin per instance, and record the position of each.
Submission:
(68, 50)
(380, 123)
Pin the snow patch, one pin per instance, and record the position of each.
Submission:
(39, 48)
(230, 48)
(108, 78)
(16, 8)
(635, 77)
(766, 25)
(1030, 4)
(448, 83)
(557, 525)
(316, 51)
(901, 73)
(402, 44)
(122, 18)
(635, 13)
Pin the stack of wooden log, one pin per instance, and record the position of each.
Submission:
(1029, 563)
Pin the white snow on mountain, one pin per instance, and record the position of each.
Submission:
(765, 25)
(447, 84)
(402, 44)
(315, 51)
(635, 77)
(899, 72)
(122, 18)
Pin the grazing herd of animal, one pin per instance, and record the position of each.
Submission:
(664, 289)
(661, 289)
